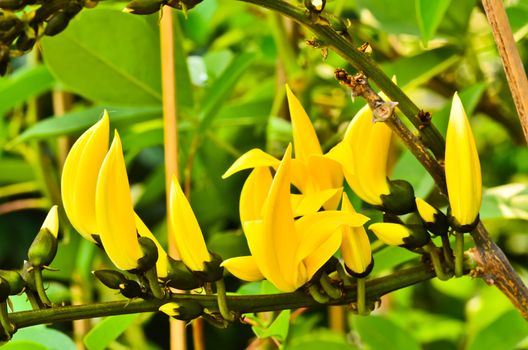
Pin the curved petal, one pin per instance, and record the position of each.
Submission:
(316, 228)
(162, 262)
(320, 256)
(330, 178)
(79, 177)
(427, 211)
(252, 159)
(244, 268)
(462, 167)
(305, 139)
(51, 222)
(254, 194)
(304, 204)
(390, 233)
(187, 233)
(278, 225)
(355, 246)
(114, 210)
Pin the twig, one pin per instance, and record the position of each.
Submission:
(511, 60)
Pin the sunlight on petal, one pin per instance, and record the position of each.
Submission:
(252, 159)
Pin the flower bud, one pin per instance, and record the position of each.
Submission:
(315, 6)
(4, 290)
(182, 311)
(212, 271)
(130, 289)
(57, 23)
(43, 249)
(179, 276)
(400, 200)
(407, 236)
(143, 7)
(15, 281)
(434, 220)
(110, 278)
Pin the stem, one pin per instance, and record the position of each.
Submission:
(33, 300)
(459, 254)
(152, 278)
(330, 290)
(361, 296)
(239, 303)
(316, 294)
(448, 252)
(6, 325)
(222, 301)
(511, 60)
(39, 284)
(432, 250)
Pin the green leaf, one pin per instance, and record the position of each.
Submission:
(278, 329)
(47, 338)
(393, 16)
(502, 334)
(217, 94)
(107, 331)
(15, 170)
(381, 334)
(505, 202)
(25, 83)
(389, 257)
(416, 70)
(319, 339)
(23, 345)
(77, 122)
(430, 14)
(107, 56)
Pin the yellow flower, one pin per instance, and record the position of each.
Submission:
(390, 233)
(355, 247)
(363, 154)
(187, 233)
(79, 177)
(434, 220)
(51, 223)
(318, 178)
(163, 260)
(462, 168)
(116, 222)
(427, 211)
(285, 251)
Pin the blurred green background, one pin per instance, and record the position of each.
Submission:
(232, 60)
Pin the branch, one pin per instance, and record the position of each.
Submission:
(511, 60)
(239, 303)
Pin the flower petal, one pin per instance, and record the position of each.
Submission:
(427, 211)
(254, 194)
(305, 139)
(114, 210)
(390, 233)
(79, 177)
(462, 167)
(320, 256)
(252, 159)
(304, 204)
(51, 223)
(355, 246)
(162, 262)
(187, 233)
(244, 268)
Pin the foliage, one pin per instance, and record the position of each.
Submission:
(232, 60)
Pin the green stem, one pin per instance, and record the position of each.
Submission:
(448, 252)
(239, 303)
(222, 301)
(459, 254)
(152, 278)
(432, 250)
(316, 294)
(330, 290)
(33, 300)
(343, 276)
(7, 326)
(39, 284)
(361, 297)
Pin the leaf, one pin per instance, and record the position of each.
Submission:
(15, 170)
(25, 83)
(216, 95)
(23, 345)
(502, 334)
(430, 14)
(416, 70)
(381, 334)
(107, 331)
(107, 56)
(505, 202)
(389, 257)
(278, 329)
(319, 339)
(392, 16)
(76, 122)
(48, 338)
